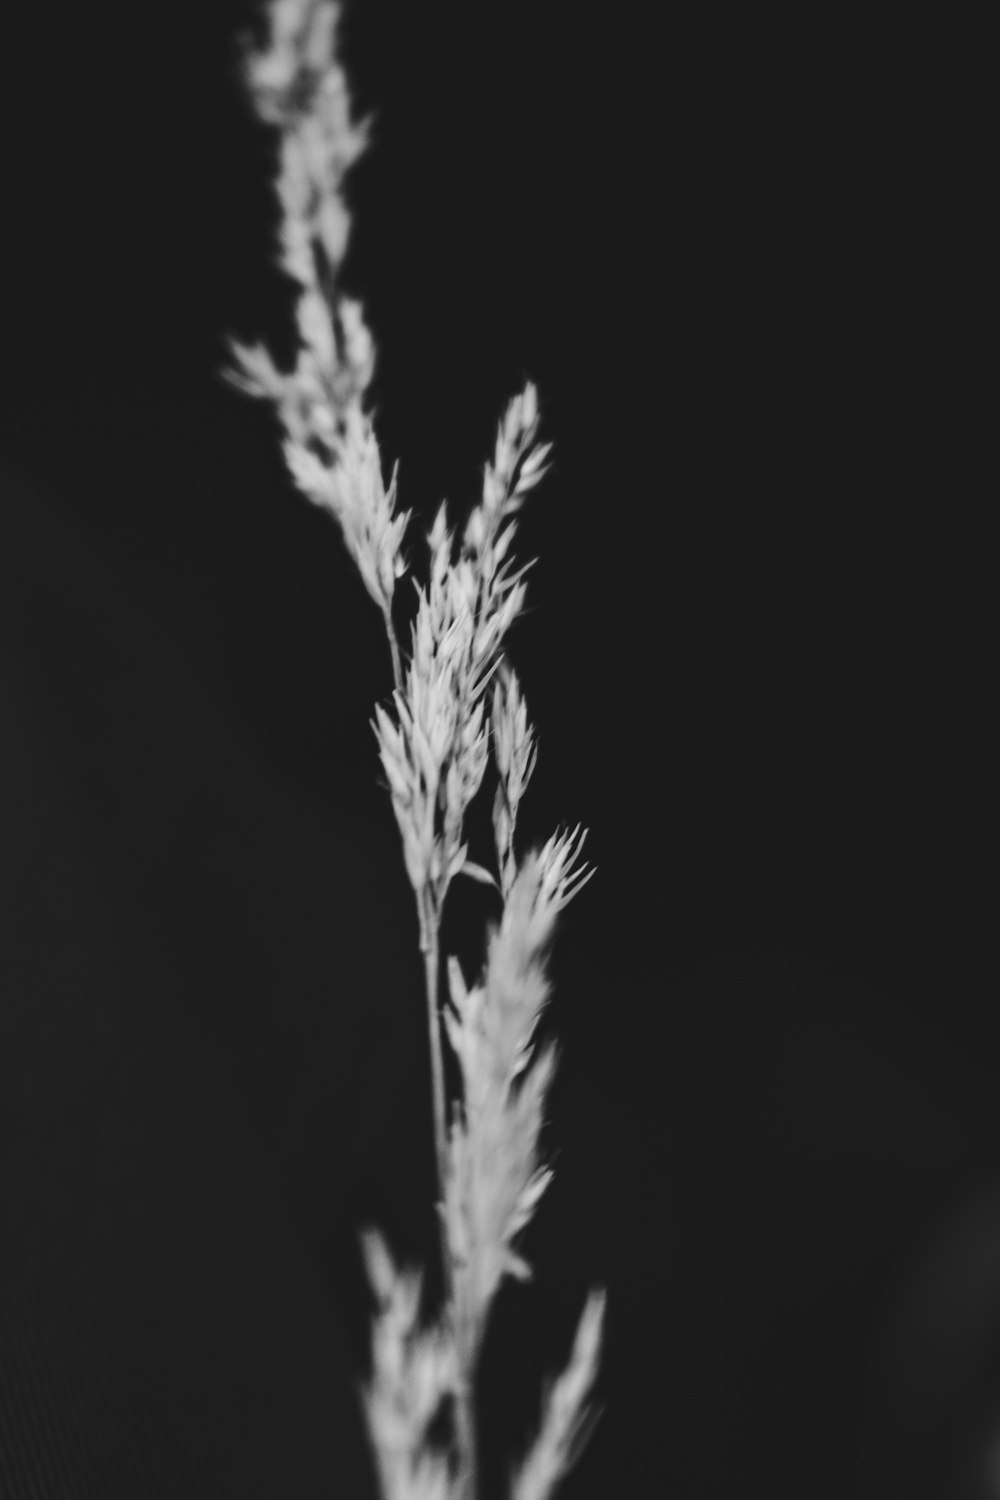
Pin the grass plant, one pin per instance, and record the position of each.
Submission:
(455, 701)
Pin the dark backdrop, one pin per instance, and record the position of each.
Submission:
(740, 259)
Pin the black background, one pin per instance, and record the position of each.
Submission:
(740, 259)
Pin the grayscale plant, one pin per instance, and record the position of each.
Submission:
(456, 698)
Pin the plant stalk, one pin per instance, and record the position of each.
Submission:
(397, 668)
(465, 1411)
(429, 948)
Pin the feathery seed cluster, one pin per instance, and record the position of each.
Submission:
(434, 745)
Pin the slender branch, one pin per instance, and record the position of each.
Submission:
(467, 1487)
(397, 668)
(429, 948)
(465, 1410)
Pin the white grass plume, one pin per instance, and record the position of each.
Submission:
(454, 697)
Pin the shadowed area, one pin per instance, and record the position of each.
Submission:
(197, 1077)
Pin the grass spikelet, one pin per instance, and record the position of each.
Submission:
(454, 697)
